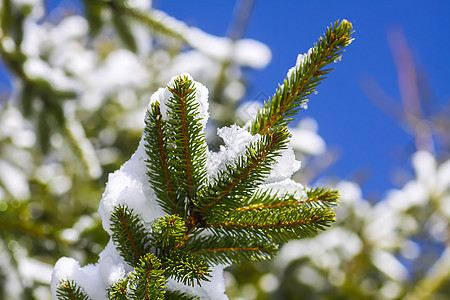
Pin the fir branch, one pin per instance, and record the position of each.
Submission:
(157, 21)
(93, 10)
(280, 224)
(158, 162)
(130, 235)
(267, 199)
(69, 290)
(185, 267)
(147, 280)
(188, 152)
(324, 196)
(177, 295)
(168, 232)
(246, 223)
(217, 249)
(296, 88)
(118, 291)
(121, 23)
(239, 179)
(123, 15)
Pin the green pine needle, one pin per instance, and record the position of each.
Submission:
(118, 291)
(147, 281)
(129, 234)
(168, 232)
(176, 148)
(158, 162)
(185, 267)
(69, 290)
(241, 178)
(177, 295)
(156, 21)
(296, 89)
(280, 220)
(186, 133)
(223, 249)
(323, 196)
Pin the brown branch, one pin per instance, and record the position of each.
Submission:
(257, 159)
(184, 127)
(231, 249)
(279, 224)
(291, 95)
(287, 202)
(164, 158)
(130, 236)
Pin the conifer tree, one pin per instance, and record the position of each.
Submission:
(209, 215)
(69, 119)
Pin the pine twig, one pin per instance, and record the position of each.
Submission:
(302, 82)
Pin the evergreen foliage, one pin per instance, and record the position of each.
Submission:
(129, 234)
(118, 291)
(302, 82)
(244, 222)
(147, 280)
(127, 15)
(69, 290)
(57, 145)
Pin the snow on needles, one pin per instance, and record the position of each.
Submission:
(129, 185)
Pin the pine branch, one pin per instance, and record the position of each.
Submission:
(69, 290)
(245, 222)
(189, 145)
(121, 23)
(281, 223)
(158, 162)
(296, 88)
(147, 280)
(322, 196)
(185, 267)
(131, 237)
(118, 291)
(241, 178)
(93, 10)
(157, 21)
(267, 199)
(218, 249)
(168, 232)
(176, 148)
(177, 295)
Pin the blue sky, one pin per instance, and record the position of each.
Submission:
(368, 140)
(370, 143)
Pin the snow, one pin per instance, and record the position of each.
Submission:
(248, 110)
(286, 186)
(390, 265)
(34, 270)
(12, 283)
(140, 4)
(245, 52)
(129, 186)
(14, 180)
(201, 97)
(236, 140)
(300, 59)
(211, 290)
(70, 28)
(37, 68)
(305, 138)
